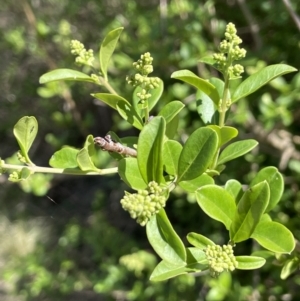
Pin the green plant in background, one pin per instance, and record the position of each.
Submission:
(154, 163)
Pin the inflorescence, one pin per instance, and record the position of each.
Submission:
(229, 52)
(220, 259)
(143, 68)
(83, 56)
(145, 203)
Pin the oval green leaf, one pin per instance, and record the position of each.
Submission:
(249, 262)
(166, 270)
(65, 74)
(25, 131)
(110, 99)
(171, 153)
(149, 149)
(129, 114)
(84, 160)
(199, 241)
(192, 185)
(170, 110)
(64, 158)
(274, 237)
(107, 48)
(236, 149)
(217, 203)
(197, 154)
(130, 173)
(201, 84)
(275, 181)
(225, 133)
(164, 240)
(259, 79)
(249, 212)
(235, 188)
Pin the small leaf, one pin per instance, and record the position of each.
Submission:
(236, 149)
(166, 270)
(172, 126)
(164, 240)
(290, 267)
(249, 212)
(275, 181)
(84, 160)
(192, 185)
(110, 99)
(225, 133)
(149, 149)
(274, 237)
(170, 110)
(64, 158)
(129, 114)
(171, 153)
(197, 154)
(89, 144)
(259, 79)
(65, 74)
(201, 84)
(217, 203)
(205, 107)
(249, 262)
(235, 188)
(199, 241)
(107, 49)
(25, 131)
(130, 173)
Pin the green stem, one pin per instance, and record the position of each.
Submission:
(68, 171)
(106, 84)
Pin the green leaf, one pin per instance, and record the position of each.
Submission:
(84, 160)
(170, 110)
(152, 100)
(65, 74)
(149, 149)
(197, 154)
(236, 149)
(235, 188)
(172, 126)
(129, 114)
(249, 262)
(89, 144)
(249, 212)
(110, 99)
(274, 237)
(192, 185)
(166, 270)
(171, 153)
(205, 107)
(275, 181)
(164, 240)
(201, 84)
(218, 83)
(259, 79)
(217, 203)
(64, 158)
(199, 241)
(225, 133)
(290, 267)
(107, 49)
(130, 173)
(25, 131)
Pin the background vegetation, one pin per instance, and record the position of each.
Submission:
(67, 238)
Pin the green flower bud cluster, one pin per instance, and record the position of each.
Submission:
(220, 259)
(14, 177)
(83, 56)
(230, 51)
(143, 67)
(145, 203)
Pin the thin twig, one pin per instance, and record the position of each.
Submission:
(107, 144)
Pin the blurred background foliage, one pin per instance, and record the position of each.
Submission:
(67, 238)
